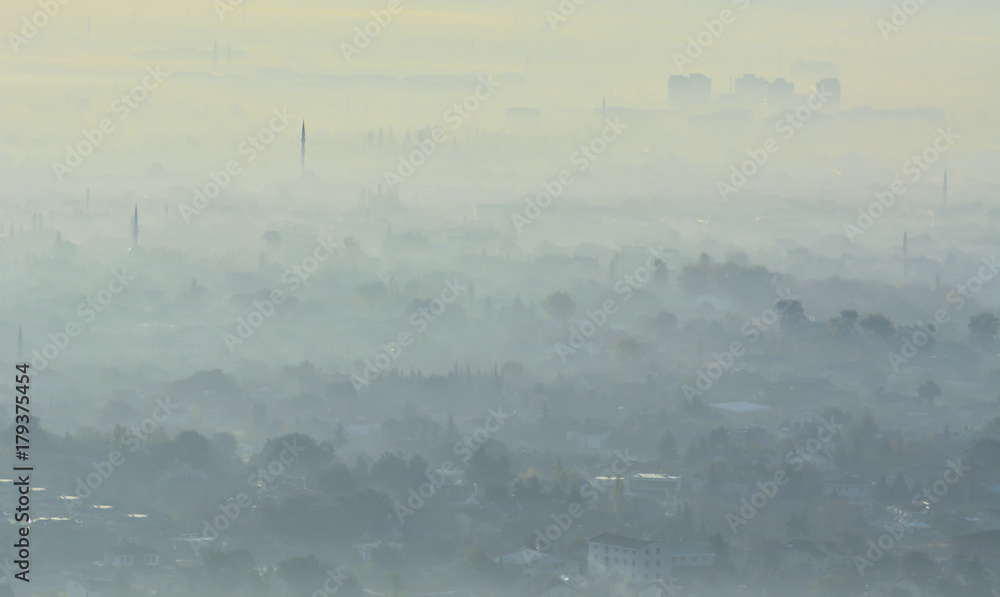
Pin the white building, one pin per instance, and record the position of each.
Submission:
(640, 561)
(661, 488)
(852, 490)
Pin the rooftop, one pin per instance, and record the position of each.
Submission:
(742, 408)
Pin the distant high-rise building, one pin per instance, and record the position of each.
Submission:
(751, 92)
(831, 86)
(689, 92)
(812, 70)
(303, 166)
(780, 94)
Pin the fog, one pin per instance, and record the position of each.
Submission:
(520, 299)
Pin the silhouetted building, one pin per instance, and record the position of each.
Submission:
(521, 121)
(831, 86)
(780, 95)
(751, 92)
(689, 92)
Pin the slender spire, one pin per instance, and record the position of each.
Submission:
(135, 227)
(906, 258)
(303, 166)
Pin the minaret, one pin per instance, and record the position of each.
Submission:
(906, 258)
(20, 345)
(303, 167)
(944, 199)
(135, 227)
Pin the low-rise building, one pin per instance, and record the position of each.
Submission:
(642, 560)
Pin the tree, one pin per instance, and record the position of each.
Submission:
(372, 293)
(983, 328)
(843, 324)
(791, 311)
(618, 500)
(229, 570)
(512, 369)
(485, 470)
(559, 305)
(881, 326)
(915, 562)
(992, 429)
(797, 525)
(304, 573)
(718, 546)
(121, 582)
(928, 391)
(627, 348)
(664, 324)
(667, 448)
